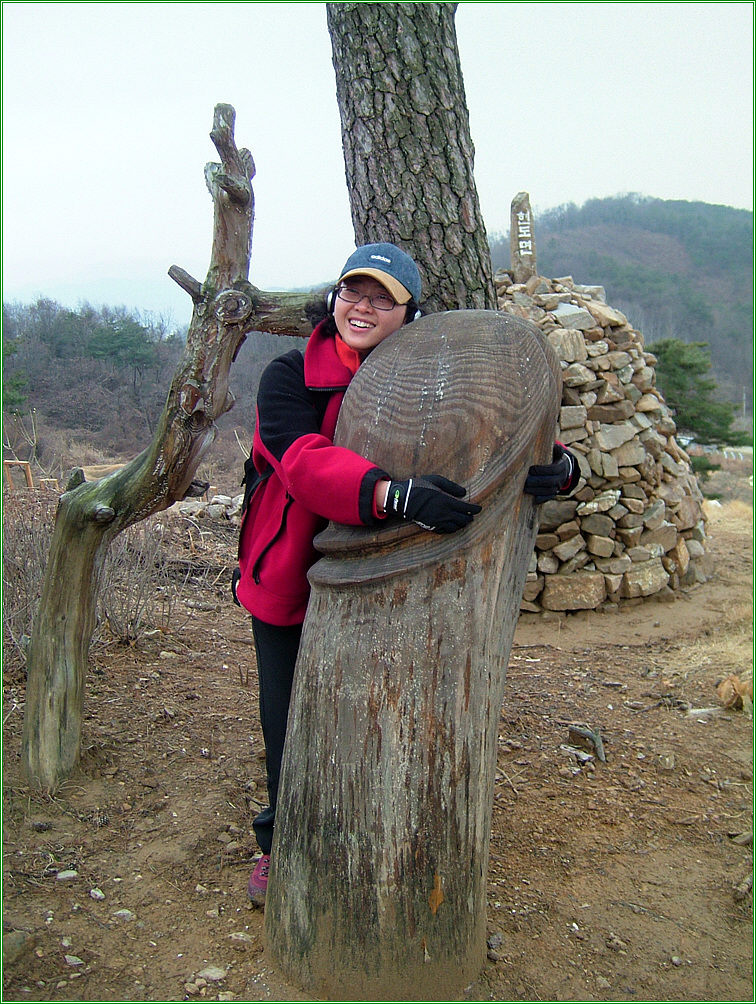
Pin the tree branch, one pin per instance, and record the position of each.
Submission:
(187, 282)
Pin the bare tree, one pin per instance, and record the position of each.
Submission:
(91, 514)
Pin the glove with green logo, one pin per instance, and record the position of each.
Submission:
(433, 502)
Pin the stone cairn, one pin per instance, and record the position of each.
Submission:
(636, 526)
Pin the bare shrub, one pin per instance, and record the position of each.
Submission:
(142, 585)
(27, 530)
(150, 576)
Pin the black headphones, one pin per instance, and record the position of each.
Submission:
(331, 306)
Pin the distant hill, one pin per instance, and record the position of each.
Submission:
(677, 269)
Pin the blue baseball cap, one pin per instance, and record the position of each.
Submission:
(391, 266)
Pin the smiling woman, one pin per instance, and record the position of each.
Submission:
(298, 480)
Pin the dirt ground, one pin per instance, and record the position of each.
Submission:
(620, 880)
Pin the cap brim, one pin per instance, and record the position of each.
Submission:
(397, 290)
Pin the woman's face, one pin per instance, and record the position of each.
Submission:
(361, 325)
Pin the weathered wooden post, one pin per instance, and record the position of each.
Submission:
(378, 884)
(522, 246)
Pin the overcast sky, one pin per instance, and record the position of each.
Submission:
(107, 110)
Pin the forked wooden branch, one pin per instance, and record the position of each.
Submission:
(91, 514)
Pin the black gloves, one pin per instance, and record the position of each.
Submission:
(433, 502)
(546, 481)
(436, 504)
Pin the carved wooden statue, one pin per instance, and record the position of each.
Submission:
(378, 887)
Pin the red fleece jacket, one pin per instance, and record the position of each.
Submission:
(302, 481)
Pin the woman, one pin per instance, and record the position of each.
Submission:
(296, 480)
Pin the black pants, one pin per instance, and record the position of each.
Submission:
(277, 649)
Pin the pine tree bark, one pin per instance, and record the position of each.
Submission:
(91, 514)
(407, 146)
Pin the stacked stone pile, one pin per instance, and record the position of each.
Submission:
(636, 526)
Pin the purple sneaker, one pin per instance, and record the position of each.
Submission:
(258, 881)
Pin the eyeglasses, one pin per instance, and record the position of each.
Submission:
(381, 301)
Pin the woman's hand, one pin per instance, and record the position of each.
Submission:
(433, 502)
(546, 481)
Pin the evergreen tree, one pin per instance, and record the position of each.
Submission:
(14, 386)
(681, 374)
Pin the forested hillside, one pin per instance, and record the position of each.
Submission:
(87, 385)
(677, 269)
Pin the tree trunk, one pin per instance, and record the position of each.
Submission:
(407, 146)
(90, 515)
(380, 857)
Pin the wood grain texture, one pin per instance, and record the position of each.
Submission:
(459, 394)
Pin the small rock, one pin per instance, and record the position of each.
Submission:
(676, 960)
(242, 936)
(97, 894)
(67, 874)
(602, 984)
(213, 974)
(123, 915)
(743, 839)
(74, 960)
(15, 943)
(615, 943)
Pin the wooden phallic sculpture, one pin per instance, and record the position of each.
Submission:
(378, 884)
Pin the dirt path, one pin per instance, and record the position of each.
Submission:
(608, 881)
